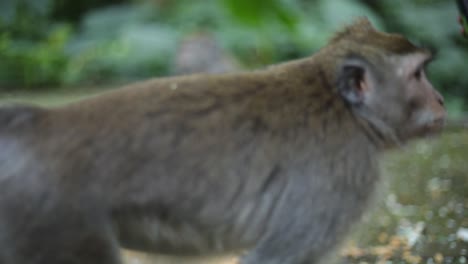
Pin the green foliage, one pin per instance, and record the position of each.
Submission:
(29, 64)
(277, 30)
(31, 48)
(115, 40)
(120, 43)
(13, 10)
(255, 13)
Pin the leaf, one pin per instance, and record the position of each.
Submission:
(255, 13)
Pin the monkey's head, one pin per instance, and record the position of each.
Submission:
(382, 78)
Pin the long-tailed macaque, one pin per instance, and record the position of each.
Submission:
(275, 163)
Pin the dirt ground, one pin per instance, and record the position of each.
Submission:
(132, 257)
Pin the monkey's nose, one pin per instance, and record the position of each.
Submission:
(439, 98)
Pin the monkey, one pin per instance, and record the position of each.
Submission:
(274, 164)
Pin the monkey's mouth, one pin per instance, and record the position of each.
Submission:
(432, 130)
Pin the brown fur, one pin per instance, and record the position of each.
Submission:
(278, 162)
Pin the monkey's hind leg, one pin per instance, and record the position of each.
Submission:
(50, 231)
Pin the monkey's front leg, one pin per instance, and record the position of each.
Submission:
(305, 227)
(45, 228)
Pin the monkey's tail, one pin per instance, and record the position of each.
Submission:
(18, 116)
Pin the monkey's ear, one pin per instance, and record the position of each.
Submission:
(353, 80)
